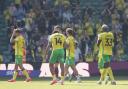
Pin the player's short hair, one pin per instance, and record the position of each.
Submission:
(57, 29)
(18, 30)
(69, 31)
(105, 27)
(76, 42)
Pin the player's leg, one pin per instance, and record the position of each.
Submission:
(71, 62)
(109, 70)
(102, 77)
(17, 61)
(111, 76)
(25, 73)
(76, 73)
(106, 78)
(14, 74)
(62, 73)
(101, 69)
(52, 62)
(52, 70)
(61, 54)
(66, 70)
(67, 65)
(56, 70)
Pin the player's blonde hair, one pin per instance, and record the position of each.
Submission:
(56, 30)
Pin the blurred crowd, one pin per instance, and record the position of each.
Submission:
(37, 17)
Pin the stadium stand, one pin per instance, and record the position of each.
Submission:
(37, 18)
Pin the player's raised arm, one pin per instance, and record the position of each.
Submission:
(12, 37)
(98, 40)
(113, 40)
(46, 51)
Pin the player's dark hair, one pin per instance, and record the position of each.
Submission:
(57, 26)
(55, 31)
(18, 30)
(105, 28)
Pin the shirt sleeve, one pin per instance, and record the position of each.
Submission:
(49, 38)
(64, 38)
(99, 37)
(67, 41)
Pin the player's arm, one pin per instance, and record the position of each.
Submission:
(48, 47)
(99, 40)
(46, 51)
(67, 46)
(24, 51)
(113, 41)
(80, 55)
(64, 45)
(67, 43)
(24, 46)
(12, 37)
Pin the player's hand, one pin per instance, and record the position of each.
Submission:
(14, 31)
(24, 61)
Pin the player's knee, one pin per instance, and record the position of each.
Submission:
(22, 69)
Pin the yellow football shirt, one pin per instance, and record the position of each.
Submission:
(100, 48)
(19, 45)
(57, 40)
(70, 41)
(106, 42)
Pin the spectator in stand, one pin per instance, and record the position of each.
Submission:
(126, 11)
(115, 16)
(83, 44)
(120, 5)
(12, 9)
(89, 11)
(26, 5)
(89, 26)
(116, 25)
(41, 22)
(125, 34)
(106, 16)
(17, 2)
(67, 15)
(7, 15)
(78, 55)
(19, 13)
(77, 18)
(62, 2)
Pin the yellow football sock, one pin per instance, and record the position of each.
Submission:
(110, 73)
(62, 77)
(103, 73)
(15, 75)
(101, 70)
(54, 77)
(26, 73)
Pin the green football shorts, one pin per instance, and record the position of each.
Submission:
(103, 60)
(57, 55)
(18, 59)
(70, 61)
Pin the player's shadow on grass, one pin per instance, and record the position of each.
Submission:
(122, 84)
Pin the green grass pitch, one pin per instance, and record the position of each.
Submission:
(87, 83)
